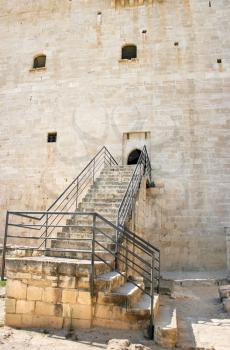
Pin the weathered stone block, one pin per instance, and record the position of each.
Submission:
(83, 283)
(67, 282)
(34, 293)
(84, 297)
(16, 289)
(25, 307)
(13, 320)
(52, 295)
(10, 306)
(69, 296)
(47, 309)
(47, 321)
(82, 311)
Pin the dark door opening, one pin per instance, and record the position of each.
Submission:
(133, 157)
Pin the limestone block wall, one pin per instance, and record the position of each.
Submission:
(175, 91)
(48, 293)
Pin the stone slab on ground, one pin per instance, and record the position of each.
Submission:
(226, 304)
(224, 291)
(166, 323)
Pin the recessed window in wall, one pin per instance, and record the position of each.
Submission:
(39, 61)
(129, 52)
(52, 137)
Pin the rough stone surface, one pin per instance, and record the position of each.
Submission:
(224, 291)
(226, 304)
(173, 98)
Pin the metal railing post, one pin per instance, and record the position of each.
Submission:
(77, 193)
(93, 169)
(4, 247)
(46, 231)
(126, 259)
(93, 256)
(151, 330)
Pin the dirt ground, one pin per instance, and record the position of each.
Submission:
(202, 322)
(202, 325)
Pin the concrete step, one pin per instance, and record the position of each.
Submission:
(166, 329)
(124, 296)
(109, 281)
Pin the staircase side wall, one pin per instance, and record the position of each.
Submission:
(179, 251)
(54, 294)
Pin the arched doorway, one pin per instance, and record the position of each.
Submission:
(133, 157)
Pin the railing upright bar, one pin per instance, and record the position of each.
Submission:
(46, 230)
(152, 300)
(93, 256)
(4, 247)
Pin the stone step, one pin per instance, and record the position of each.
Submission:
(143, 306)
(101, 197)
(112, 182)
(82, 244)
(166, 329)
(128, 168)
(86, 231)
(95, 209)
(109, 281)
(107, 191)
(113, 199)
(99, 204)
(80, 254)
(89, 220)
(124, 296)
(102, 187)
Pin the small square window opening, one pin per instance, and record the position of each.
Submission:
(52, 137)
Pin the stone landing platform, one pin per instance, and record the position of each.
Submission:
(48, 292)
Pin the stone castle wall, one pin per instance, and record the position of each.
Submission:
(179, 95)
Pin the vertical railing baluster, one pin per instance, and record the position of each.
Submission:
(126, 259)
(93, 169)
(151, 331)
(77, 194)
(4, 247)
(46, 231)
(93, 256)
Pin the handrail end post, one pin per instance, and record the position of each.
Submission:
(4, 247)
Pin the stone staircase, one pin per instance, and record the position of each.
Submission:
(104, 197)
(59, 288)
(118, 303)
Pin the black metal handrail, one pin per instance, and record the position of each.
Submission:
(142, 168)
(137, 258)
